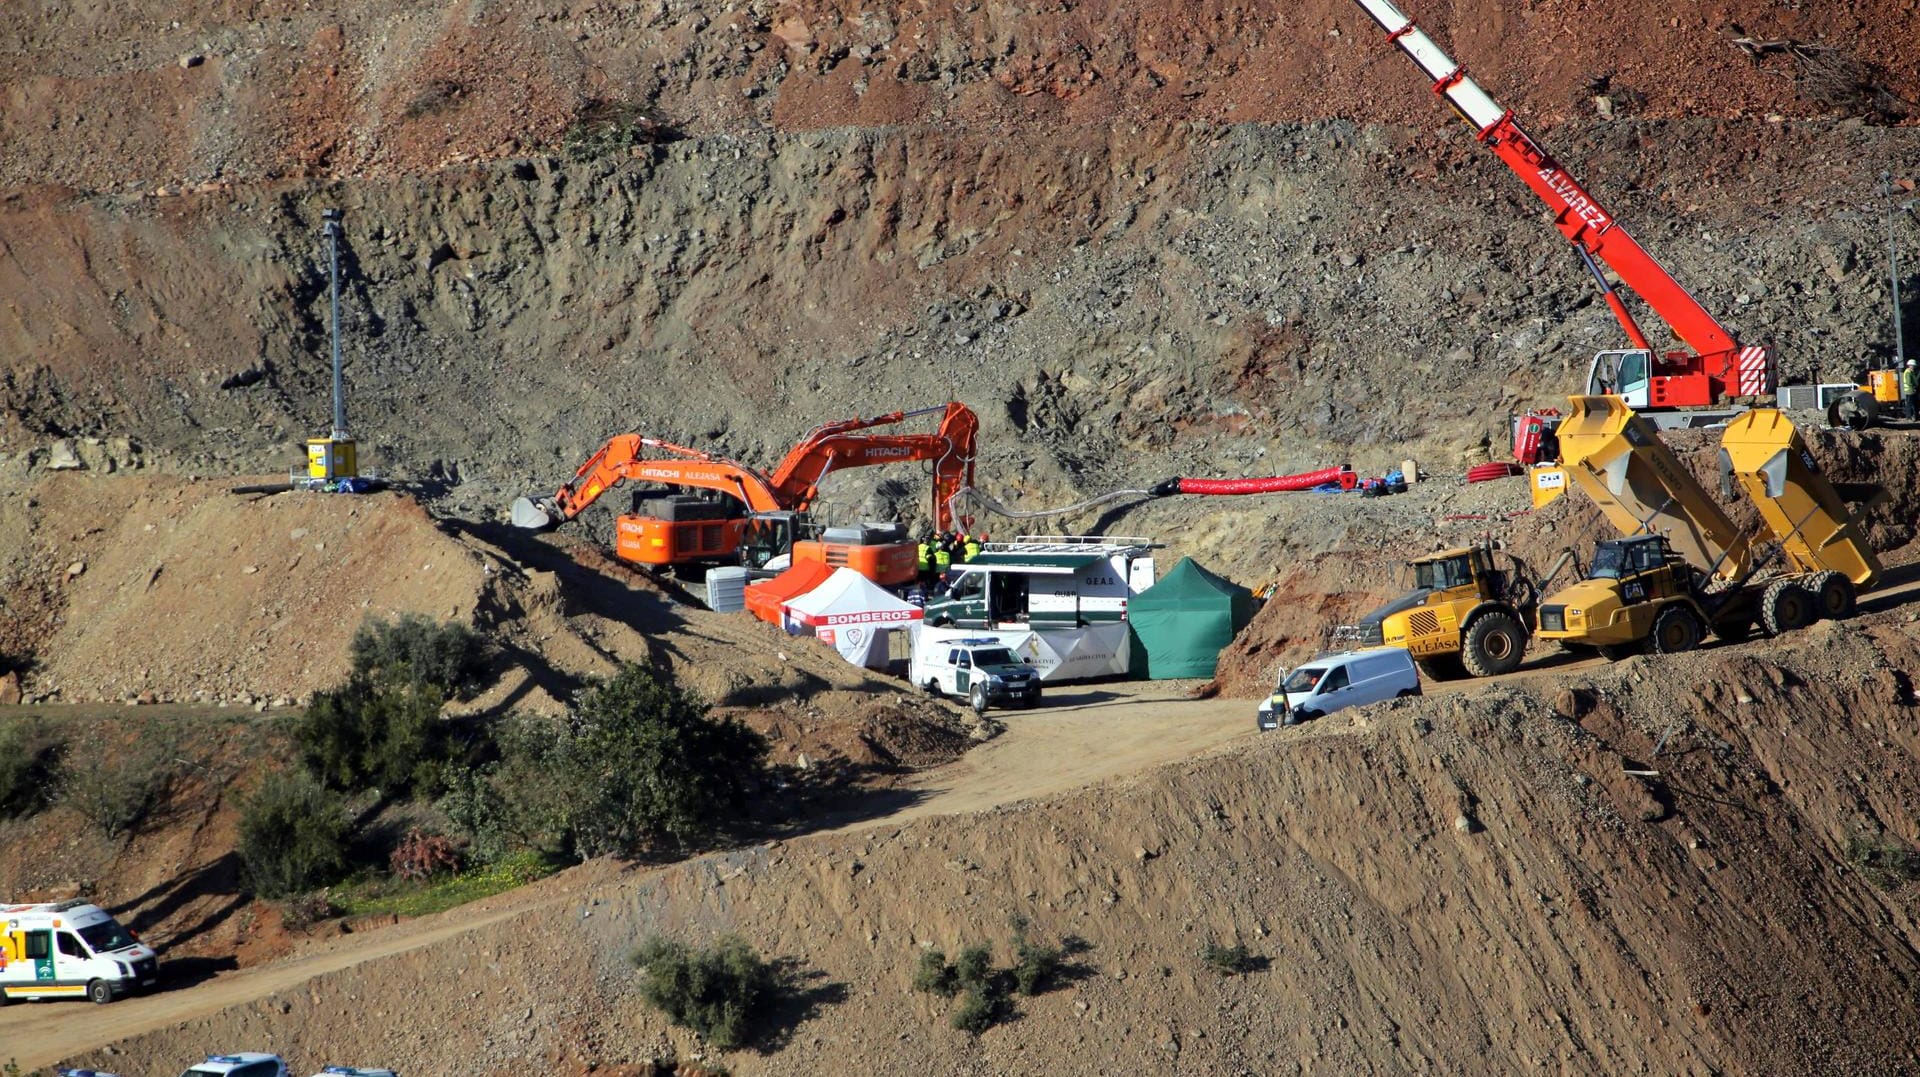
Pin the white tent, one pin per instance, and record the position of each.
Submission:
(853, 614)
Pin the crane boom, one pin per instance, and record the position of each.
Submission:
(1721, 367)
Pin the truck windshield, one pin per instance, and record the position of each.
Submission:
(994, 656)
(1304, 679)
(106, 937)
(1609, 562)
(1440, 575)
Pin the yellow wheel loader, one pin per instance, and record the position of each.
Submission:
(1685, 571)
(1467, 612)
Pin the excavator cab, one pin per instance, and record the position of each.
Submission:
(768, 535)
(1465, 614)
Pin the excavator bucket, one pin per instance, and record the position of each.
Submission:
(526, 513)
(1617, 458)
(1766, 454)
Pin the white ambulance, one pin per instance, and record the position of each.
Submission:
(70, 949)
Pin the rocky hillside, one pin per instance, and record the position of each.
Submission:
(1222, 239)
(1602, 877)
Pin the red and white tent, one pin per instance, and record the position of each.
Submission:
(853, 614)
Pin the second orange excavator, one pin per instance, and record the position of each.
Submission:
(763, 517)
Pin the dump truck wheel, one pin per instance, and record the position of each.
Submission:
(1675, 631)
(1444, 668)
(1786, 606)
(1833, 595)
(1494, 645)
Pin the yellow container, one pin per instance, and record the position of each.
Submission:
(1548, 481)
(1885, 385)
(332, 458)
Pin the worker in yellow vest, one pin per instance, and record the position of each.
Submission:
(942, 560)
(969, 547)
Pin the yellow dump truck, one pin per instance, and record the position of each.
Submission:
(1684, 570)
(1467, 612)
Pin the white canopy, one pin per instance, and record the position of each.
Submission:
(852, 614)
(848, 598)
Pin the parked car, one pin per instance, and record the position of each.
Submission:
(1334, 682)
(354, 1071)
(981, 669)
(240, 1064)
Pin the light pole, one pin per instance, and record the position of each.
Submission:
(332, 229)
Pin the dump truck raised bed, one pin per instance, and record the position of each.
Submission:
(1684, 570)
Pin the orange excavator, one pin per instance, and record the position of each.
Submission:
(761, 518)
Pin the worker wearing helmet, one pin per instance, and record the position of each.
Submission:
(970, 547)
(1910, 388)
(942, 558)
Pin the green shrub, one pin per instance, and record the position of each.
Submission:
(935, 976)
(293, 836)
(522, 801)
(651, 770)
(978, 1011)
(1034, 966)
(421, 651)
(374, 734)
(1886, 862)
(114, 789)
(1228, 960)
(724, 992)
(973, 971)
(29, 760)
(637, 767)
(986, 992)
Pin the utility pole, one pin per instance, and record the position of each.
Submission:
(334, 458)
(1893, 270)
(332, 229)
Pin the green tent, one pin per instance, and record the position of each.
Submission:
(1180, 625)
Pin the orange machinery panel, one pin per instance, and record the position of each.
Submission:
(646, 540)
(1680, 391)
(889, 565)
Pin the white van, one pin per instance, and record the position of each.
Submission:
(1333, 681)
(70, 949)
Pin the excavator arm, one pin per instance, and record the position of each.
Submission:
(624, 458)
(1730, 368)
(837, 446)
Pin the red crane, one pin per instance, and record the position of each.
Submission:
(1716, 370)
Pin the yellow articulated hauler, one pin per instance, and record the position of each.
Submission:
(1467, 612)
(1684, 570)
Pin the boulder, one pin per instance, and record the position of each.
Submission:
(63, 456)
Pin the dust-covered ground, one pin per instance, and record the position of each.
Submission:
(1605, 875)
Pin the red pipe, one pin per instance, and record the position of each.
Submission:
(1306, 480)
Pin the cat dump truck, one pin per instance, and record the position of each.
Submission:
(70, 949)
(1684, 570)
(1467, 610)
